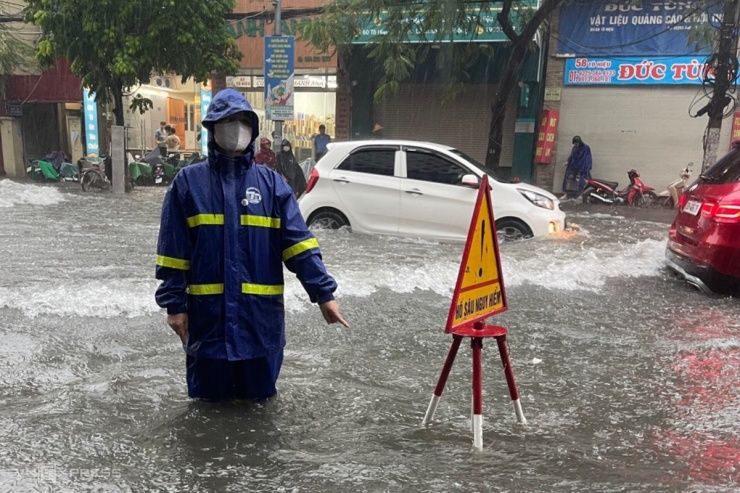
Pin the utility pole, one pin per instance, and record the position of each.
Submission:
(726, 53)
(278, 32)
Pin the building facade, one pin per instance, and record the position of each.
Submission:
(624, 76)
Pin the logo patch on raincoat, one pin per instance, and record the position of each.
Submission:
(253, 196)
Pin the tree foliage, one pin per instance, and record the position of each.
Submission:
(14, 54)
(433, 21)
(116, 45)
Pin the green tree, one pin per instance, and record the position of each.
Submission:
(341, 21)
(14, 54)
(116, 45)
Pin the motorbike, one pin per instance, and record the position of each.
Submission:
(606, 192)
(93, 175)
(668, 198)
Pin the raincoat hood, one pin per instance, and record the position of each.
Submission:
(286, 143)
(225, 104)
(265, 143)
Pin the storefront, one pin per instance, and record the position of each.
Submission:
(315, 80)
(41, 113)
(626, 79)
(315, 104)
(175, 103)
(446, 102)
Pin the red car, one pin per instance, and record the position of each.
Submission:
(704, 241)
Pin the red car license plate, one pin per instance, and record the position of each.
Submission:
(692, 207)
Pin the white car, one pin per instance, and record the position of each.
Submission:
(418, 189)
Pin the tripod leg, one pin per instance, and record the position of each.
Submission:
(456, 339)
(503, 349)
(477, 344)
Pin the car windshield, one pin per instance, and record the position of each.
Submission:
(474, 162)
(726, 170)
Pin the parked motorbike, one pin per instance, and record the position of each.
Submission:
(92, 175)
(668, 198)
(158, 174)
(606, 192)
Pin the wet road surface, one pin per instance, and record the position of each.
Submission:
(628, 377)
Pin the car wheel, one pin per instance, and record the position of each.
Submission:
(328, 219)
(512, 229)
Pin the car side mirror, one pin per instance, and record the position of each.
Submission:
(471, 181)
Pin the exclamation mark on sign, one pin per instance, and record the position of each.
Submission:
(482, 242)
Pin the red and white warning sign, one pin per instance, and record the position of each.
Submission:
(479, 292)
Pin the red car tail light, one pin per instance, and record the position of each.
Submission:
(682, 201)
(721, 213)
(727, 213)
(312, 179)
(707, 209)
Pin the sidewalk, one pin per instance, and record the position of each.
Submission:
(654, 214)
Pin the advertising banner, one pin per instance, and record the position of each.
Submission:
(735, 129)
(634, 71)
(92, 146)
(626, 27)
(205, 100)
(546, 137)
(279, 74)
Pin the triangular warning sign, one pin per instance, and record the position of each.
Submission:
(479, 292)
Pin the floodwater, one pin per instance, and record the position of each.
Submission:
(628, 377)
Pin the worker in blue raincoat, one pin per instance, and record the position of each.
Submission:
(227, 227)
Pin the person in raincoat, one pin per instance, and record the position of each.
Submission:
(578, 168)
(227, 227)
(291, 170)
(266, 155)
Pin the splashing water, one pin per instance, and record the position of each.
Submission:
(13, 194)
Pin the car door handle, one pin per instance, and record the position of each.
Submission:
(341, 180)
(415, 191)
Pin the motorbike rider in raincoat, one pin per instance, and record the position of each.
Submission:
(578, 168)
(227, 227)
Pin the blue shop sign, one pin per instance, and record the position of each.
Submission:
(91, 123)
(205, 102)
(279, 76)
(626, 27)
(587, 71)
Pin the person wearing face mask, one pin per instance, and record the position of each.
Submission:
(265, 155)
(227, 228)
(291, 170)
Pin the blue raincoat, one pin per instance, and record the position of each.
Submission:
(228, 226)
(578, 169)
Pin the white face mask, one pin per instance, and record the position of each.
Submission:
(232, 136)
(286, 148)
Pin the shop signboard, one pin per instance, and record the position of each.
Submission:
(483, 27)
(634, 71)
(626, 27)
(92, 145)
(279, 74)
(14, 110)
(735, 129)
(546, 137)
(239, 81)
(205, 100)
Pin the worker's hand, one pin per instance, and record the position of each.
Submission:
(179, 323)
(330, 311)
(565, 164)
